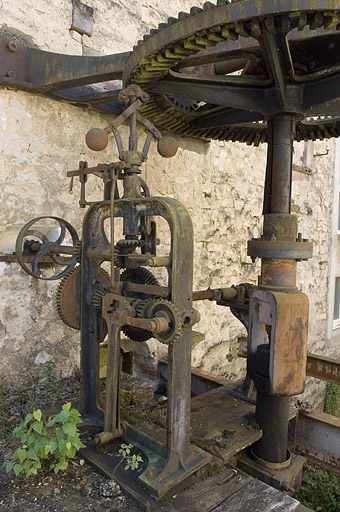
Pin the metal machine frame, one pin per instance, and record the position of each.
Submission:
(241, 71)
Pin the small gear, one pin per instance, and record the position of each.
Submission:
(168, 310)
(139, 306)
(129, 245)
(138, 275)
(124, 247)
(97, 299)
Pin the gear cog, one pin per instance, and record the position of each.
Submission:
(200, 68)
(166, 309)
(138, 275)
(68, 297)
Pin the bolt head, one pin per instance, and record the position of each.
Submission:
(12, 46)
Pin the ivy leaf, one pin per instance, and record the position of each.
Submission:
(9, 467)
(17, 469)
(21, 454)
(69, 429)
(37, 415)
(38, 427)
(28, 418)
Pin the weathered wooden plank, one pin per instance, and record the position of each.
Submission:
(224, 420)
(206, 495)
(256, 496)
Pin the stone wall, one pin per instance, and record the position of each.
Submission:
(220, 183)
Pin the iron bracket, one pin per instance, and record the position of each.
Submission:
(27, 68)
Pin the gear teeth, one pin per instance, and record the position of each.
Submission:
(316, 21)
(208, 5)
(79, 246)
(172, 20)
(67, 297)
(162, 26)
(68, 315)
(153, 64)
(135, 334)
(143, 276)
(183, 15)
(97, 299)
(331, 20)
(195, 10)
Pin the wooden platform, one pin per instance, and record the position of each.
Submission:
(222, 424)
(224, 419)
(231, 491)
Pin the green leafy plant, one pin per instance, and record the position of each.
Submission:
(332, 399)
(52, 441)
(323, 492)
(133, 460)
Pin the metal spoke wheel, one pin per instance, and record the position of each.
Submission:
(48, 241)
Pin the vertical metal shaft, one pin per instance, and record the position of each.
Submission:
(133, 128)
(272, 416)
(272, 411)
(281, 168)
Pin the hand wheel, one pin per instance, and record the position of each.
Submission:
(51, 241)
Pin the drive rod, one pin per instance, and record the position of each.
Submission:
(215, 294)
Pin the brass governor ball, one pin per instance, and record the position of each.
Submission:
(167, 146)
(96, 139)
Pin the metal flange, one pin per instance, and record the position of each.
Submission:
(258, 248)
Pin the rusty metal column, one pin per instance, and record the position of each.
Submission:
(281, 167)
(276, 274)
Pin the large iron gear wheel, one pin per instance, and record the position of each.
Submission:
(223, 71)
(139, 275)
(68, 297)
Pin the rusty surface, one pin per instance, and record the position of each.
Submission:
(277, 86)
(317, 436)
(44, 72)
(252, 61)
(278, 76)
(287, 478)
(278, 273)
(64, 256)
(280, 249)
(215, 294)
(323, 368)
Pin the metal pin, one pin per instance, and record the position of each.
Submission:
(229, 477)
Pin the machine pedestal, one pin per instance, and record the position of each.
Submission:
(288, 478)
